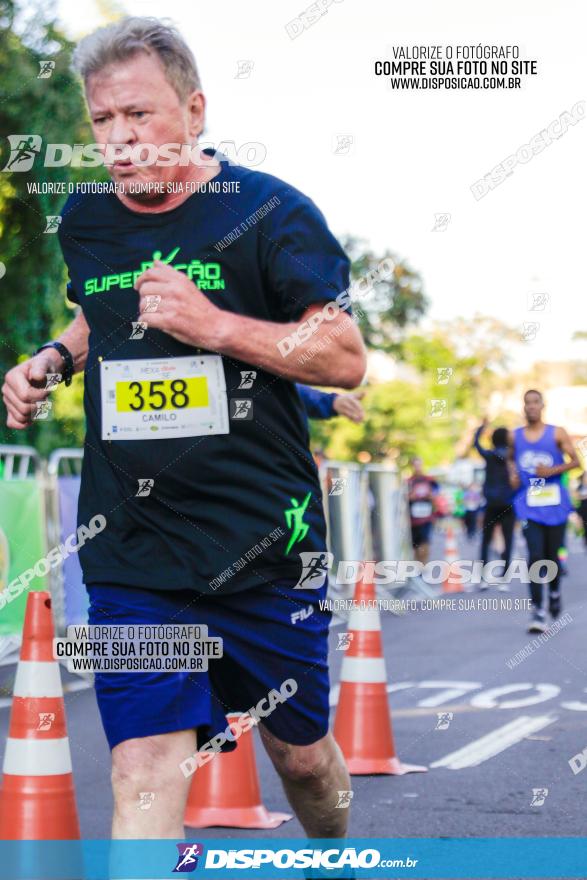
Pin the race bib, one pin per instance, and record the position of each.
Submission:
(543, 496)
(421, 509)
(163, 398)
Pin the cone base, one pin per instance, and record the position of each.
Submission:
(453, 588)
(381, 766)
(234, 817)
(38, 808)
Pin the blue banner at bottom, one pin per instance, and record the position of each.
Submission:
(502, 858)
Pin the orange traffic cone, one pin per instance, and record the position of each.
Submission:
(37, 798)
(362, 726)
(226, 791)
(454, 580)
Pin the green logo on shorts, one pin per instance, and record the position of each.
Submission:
(294, 518)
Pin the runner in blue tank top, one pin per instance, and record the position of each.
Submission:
(541, 454)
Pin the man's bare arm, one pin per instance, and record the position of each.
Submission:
(25, 385)
(326, 352)
(565, 444)
(75, 338)
(333, 355)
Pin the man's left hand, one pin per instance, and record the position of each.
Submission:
(178, 307)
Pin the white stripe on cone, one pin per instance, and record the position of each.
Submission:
(364, 619)
(363, 670)
(37, 678)
(37, 757)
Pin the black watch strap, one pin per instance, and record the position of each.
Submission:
(65, 353)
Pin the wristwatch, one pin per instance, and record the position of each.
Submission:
(67, 359)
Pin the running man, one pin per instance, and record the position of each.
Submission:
(421, 492)
(541, 453)
(498, 493)
(209, 543)
(472, 503)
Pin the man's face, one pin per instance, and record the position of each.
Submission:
(417, 466)
(133, 103)
(533, 406)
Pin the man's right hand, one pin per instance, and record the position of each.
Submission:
(26, 384)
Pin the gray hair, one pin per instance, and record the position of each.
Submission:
(118, 42)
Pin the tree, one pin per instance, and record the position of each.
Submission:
(393, 303)
(32, 305)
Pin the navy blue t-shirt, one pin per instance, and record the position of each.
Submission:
(218, 514)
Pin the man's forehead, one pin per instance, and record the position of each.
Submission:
(139, 77)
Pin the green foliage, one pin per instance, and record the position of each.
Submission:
(32, 305)
(393, 302)
(457, 363)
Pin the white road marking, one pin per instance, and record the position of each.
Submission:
(489, 699)
(450, 690)
(493, 743)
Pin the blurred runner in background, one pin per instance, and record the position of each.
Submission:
(472, 503)
(421, 493)
(498, 493)
(542, 502)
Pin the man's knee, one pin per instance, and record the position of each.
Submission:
(311, 765)
(145, 764)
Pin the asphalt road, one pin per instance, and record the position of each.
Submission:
(512, 729)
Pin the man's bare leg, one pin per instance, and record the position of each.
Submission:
(151, 764)
(422, 553)
(312, 776)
